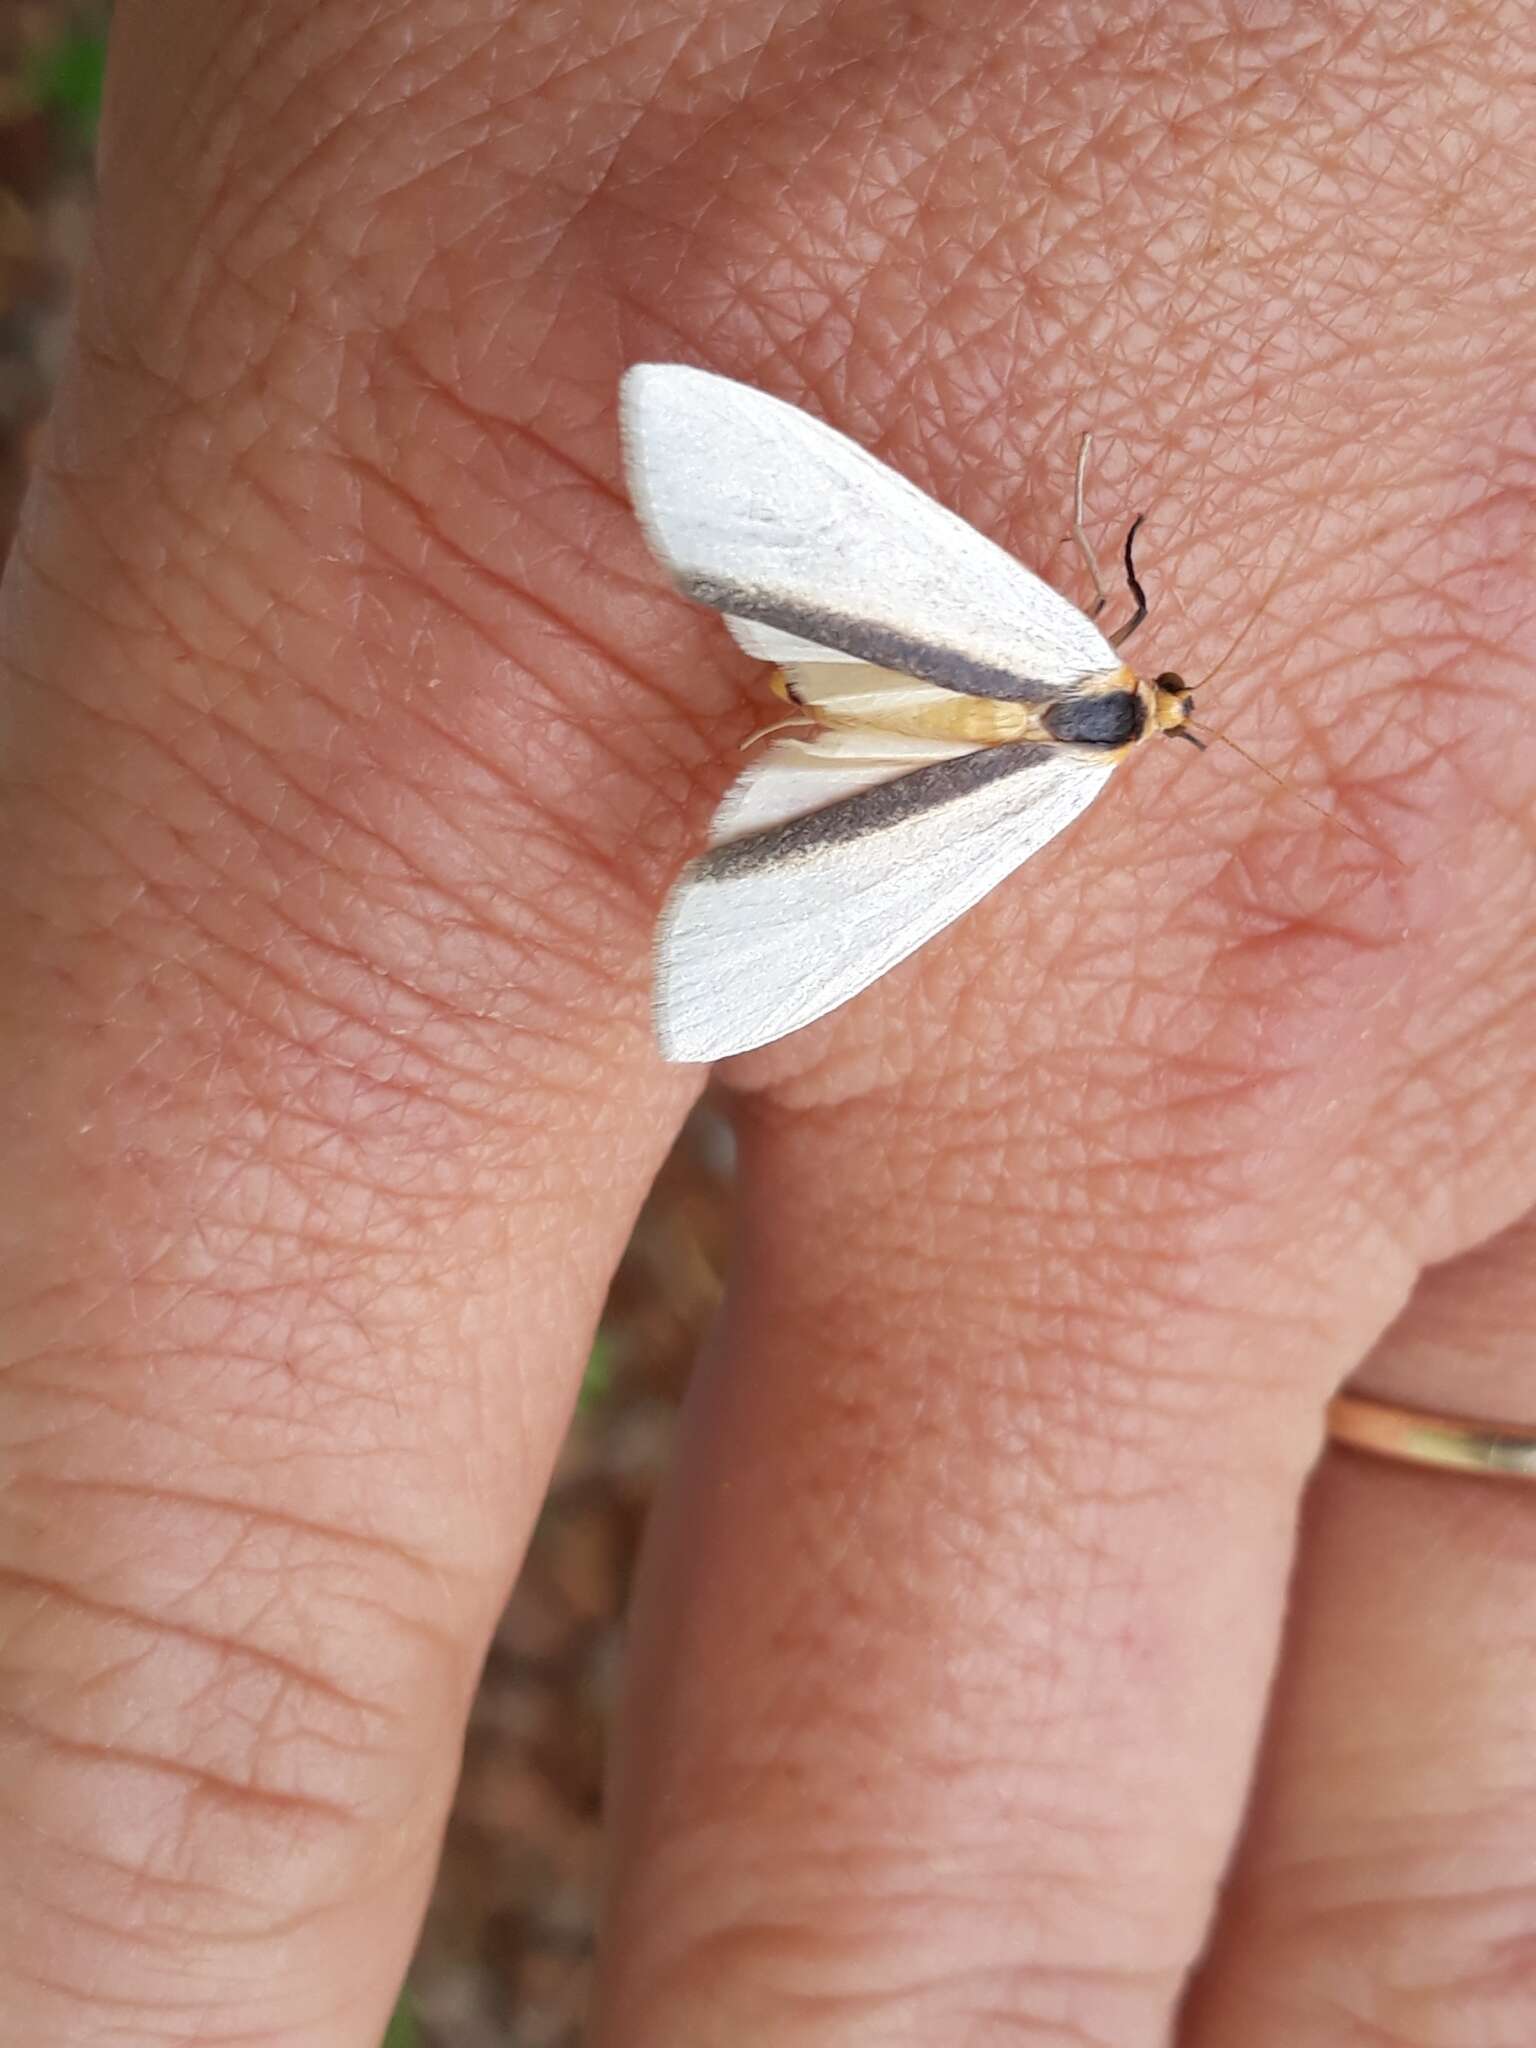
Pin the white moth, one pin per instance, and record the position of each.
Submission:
(961, 713)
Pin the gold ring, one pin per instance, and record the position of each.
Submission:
(1458, 1443)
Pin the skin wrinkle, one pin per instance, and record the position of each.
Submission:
(246, 1395)
(1064, 1170)
(602, 653)
(239, 1651)
(376, 1229)
(262, 835)
(595, 741)
(153, 1940)
(205, 1787)
(1368, 1945)
(781, 1960)
(439, 540)
(296, 1734)
(149, 1892)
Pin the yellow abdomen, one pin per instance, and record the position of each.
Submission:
(858, 694)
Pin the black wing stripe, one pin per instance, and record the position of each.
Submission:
(869, 811)
(945, 667)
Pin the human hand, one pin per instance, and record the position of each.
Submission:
(353, 739)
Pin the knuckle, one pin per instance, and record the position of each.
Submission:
(1429, 1951)
(913, 1965)
(190, 1685)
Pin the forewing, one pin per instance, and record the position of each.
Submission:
(766, 933)
(772, 517)
(766, 643)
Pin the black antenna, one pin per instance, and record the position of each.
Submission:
(1123, 633)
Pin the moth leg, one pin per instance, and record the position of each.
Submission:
(767, 731)
(1079, 530)
(1123, 633)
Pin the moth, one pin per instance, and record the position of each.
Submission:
(951, 713)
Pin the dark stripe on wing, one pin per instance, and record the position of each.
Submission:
(870, 811)
(946, 667)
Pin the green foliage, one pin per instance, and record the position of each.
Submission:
(64, 79)
(597, 1382)
(402, 2031)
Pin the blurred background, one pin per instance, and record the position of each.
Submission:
(505, 1956)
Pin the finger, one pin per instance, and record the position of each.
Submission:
(959, 1621)
(958, 1627)
(1383, 1888)
(338, 790)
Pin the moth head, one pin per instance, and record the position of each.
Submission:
(1172, 699)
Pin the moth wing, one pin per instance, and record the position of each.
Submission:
(767, 932)
(766, 643)
(774, 518)
(791, 777)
